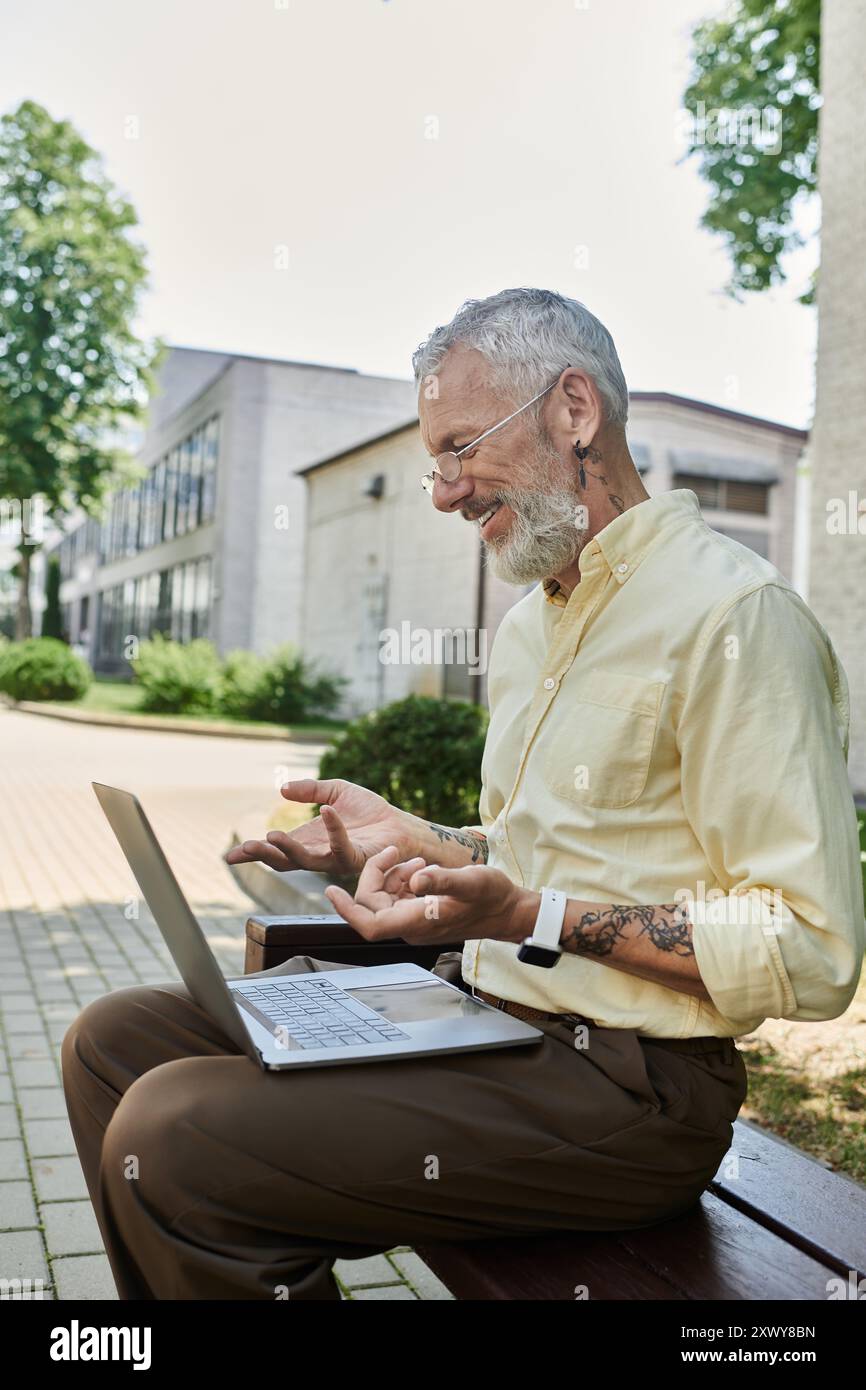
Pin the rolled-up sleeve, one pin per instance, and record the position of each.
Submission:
(763, 739)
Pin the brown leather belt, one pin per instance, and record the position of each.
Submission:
(525, 1011)
(692, 1046)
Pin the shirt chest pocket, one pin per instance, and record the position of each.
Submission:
(601, 738)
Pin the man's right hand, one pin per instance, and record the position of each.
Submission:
(353, 824)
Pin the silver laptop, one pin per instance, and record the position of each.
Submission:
(372, 1013)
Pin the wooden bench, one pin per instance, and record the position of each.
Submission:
(774, 1224)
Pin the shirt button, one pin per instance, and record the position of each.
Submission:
(549, 683)
(622, 569)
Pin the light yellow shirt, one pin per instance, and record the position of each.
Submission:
(677, 731)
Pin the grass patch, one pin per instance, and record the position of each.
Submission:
(825, 1115)
(124, 697)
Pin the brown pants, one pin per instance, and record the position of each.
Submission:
(213, 1179)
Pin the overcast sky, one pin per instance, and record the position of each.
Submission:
(296, 134)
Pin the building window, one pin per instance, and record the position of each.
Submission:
(177, 496)
(177, 603)
(210, 454)
(747, 497)
(163, 612)
(726, 494)
(201, 610)
(194, 507)
(188, 600)
(170, 512)
(183, 454)
(130, 538)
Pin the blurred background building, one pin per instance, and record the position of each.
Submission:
(210, 543)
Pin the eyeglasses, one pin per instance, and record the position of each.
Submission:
(449, 466)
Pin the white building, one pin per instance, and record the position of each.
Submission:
(211, 541)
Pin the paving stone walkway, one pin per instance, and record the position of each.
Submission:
(72, 927)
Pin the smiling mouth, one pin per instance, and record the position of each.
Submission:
(485, 516)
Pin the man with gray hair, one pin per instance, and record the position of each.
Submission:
(667, 855)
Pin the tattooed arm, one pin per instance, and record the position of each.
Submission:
(475, 900)
(474, 841)
(652, 942)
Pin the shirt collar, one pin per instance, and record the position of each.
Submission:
(623, 542)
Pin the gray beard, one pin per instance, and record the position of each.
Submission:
(544, 537)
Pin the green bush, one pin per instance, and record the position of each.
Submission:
(420, 753)
(177, 677)
(280, 687)
(240, 681)
(42, 668)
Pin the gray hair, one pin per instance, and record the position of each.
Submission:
(529, 337)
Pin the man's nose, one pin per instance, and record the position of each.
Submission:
(449, 497)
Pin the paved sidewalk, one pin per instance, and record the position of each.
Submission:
(72, 927)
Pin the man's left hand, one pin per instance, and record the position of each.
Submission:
(427, 906)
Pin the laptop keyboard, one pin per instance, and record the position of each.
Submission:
(316, 1013)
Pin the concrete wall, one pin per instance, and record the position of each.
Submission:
(837, 568)
(303, 413)
(376, 564)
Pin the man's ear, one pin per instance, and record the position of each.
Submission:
(581, 410)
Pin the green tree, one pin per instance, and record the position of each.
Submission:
(52, 618)
(762, 56)
(72, 371)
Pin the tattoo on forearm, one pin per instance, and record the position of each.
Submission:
(598, 933)
(470, 839)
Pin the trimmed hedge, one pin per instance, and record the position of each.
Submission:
(177, 676)
(280, 687)
(42, 668)
(421, 754)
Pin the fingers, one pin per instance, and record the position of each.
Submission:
(405, 919)
(358, 916)
(372, 878)
(397, 879)
(346, 857)
(456, 883)
(252, 851)
(278, 850)
(312, 792)
(381, 886)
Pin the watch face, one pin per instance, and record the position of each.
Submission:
(537, 955)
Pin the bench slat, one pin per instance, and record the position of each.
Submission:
(545, 1268)
(712, 1252)
(720, 1253)
(817, 1211)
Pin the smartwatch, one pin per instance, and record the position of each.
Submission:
(542, 947)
